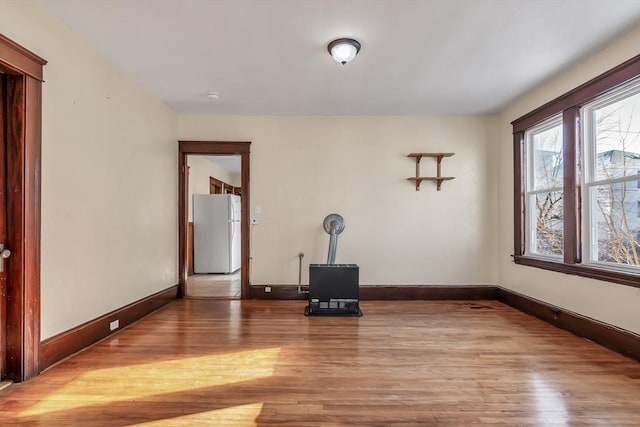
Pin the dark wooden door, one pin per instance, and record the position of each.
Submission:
(3, 225)
(21, 120)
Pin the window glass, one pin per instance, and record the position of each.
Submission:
(543, 204)
(547, 153)
(612, 188)
(578, 211)
(547, 231)
(616, 223)
(616, 136)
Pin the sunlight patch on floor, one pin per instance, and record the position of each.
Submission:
(132, 382)
(550, 405)
(241, 415)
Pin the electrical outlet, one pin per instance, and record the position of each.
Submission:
(255, 221)
(114, 325)
(267, 289)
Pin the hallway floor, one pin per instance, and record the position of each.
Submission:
(217, 286)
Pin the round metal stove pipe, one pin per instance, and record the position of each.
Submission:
(334, 225)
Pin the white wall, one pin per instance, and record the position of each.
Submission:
(200, 169)
(609, 302)
(109, 182)
(303, 168)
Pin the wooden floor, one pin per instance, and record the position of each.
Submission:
(219, 286)
(212, 362)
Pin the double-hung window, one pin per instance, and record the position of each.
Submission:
(545, 228)
(611, 129)
(577, 180)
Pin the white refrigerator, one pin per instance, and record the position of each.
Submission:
(216, 233)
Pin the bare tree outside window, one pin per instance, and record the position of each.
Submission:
(577, 211)
(613, 184)
(544, 195)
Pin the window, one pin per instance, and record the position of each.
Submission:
(611, 129)
(577, 180)
(545, 228)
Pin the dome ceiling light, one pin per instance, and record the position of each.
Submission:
(344, 50)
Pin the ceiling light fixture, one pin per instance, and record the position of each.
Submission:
(214, 96)
(344, 50)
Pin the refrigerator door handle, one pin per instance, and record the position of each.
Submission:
(233, 219)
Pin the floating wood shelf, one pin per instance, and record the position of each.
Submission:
(438, 178)
(438, 181)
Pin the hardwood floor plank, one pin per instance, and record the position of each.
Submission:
(405, 363)
(216, 286)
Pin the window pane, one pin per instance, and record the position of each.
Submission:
(617, 138)
(616, 222)
(547, 226)
(547, 158)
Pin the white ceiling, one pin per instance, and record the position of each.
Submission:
(229, 163)
(417, 57)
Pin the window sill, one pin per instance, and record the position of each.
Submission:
(623, 278)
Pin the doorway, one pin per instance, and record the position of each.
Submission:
(214, 188)
(20, 131)
(197, 151)
(3, 222)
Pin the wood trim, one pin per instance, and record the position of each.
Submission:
(571, 199)
(23, 138)
(189, 248)
(223, 147)
(3, 227)
(582, 94)
(518, 193)
(16, 315)
(213, 148)
(627, 279)
(428, 292)
(216, 186)
(569, 105)
(58, 347)
(616, 339)
(278, 292)
(31, 220)
(183, 206)
(387, 293)
(19, 59)
(244, 225)
(23, 217)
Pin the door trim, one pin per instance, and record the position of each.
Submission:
(24, 104)
(212, 148)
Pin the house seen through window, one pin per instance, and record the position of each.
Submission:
(611, 129)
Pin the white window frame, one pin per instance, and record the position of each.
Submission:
(589, 179)
(531, 192)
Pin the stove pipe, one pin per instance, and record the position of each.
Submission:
(333, 224)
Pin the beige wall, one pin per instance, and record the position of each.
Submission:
(608, 302)
(109, 189)
(303, 168)
(109, 185)
(200, 169)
